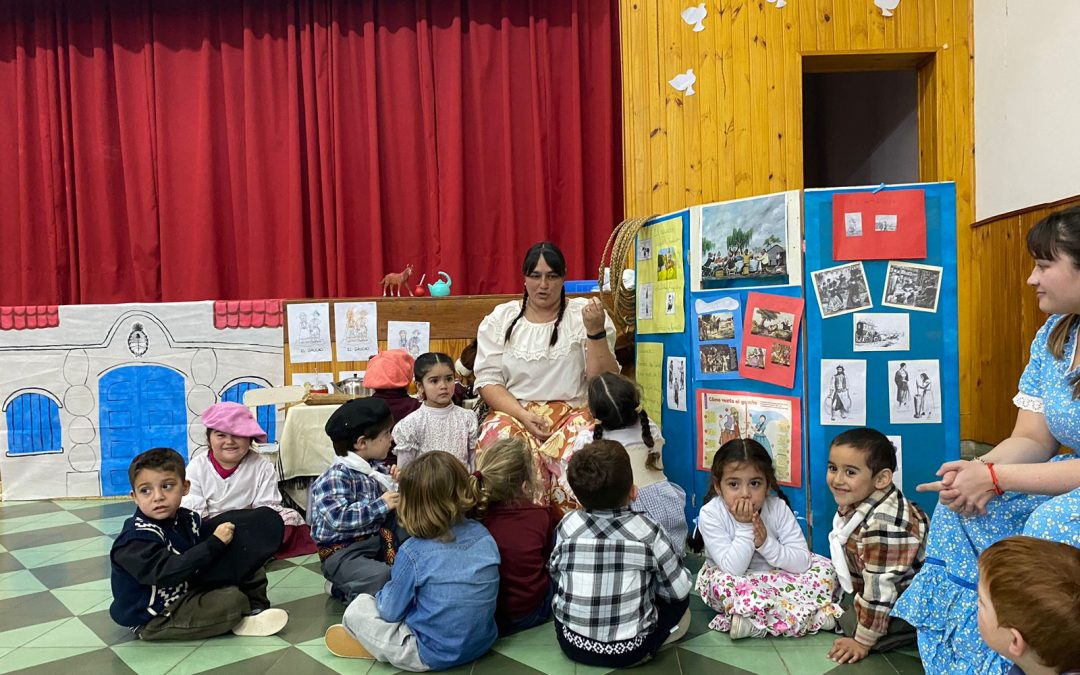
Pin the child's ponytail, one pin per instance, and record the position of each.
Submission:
(652, 461)
(504, 473)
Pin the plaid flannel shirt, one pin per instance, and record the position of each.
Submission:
(607, 566)
(883, 554)
(345, 505)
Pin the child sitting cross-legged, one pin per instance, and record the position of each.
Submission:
(759, 575)
(231, 476)
(621, 591)
(878, 543)
(509, 485)
(352, 502)
(163, 562)
(615, 402)
(1029, 604)
(438, 609)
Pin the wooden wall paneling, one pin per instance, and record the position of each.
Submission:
(741, 134)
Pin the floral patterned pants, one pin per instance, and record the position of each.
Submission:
(782, 603)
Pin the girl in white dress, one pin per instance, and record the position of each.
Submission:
(439, 424)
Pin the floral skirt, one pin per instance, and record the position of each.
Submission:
(942, 600)
(552, 455)
(785, 604)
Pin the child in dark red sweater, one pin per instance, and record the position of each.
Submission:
(524, 531)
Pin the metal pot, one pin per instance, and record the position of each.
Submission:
(351, 386)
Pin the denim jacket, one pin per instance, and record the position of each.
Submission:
(445, 593)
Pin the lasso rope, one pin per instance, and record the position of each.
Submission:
(620, 245)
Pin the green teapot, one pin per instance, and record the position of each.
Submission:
(441, 288)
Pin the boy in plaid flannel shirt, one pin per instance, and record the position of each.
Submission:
(878, 543)
(607, 546)
(353, 502)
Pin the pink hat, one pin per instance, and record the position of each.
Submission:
(233, 418)
(391, 369)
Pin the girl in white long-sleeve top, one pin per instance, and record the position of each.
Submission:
(759, 575)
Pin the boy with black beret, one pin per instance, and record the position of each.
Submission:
(352, 503)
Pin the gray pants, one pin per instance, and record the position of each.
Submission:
(393, 643)
(203, 614)
(357, 569)
(900, 633)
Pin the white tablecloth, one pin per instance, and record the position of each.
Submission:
(306, 450)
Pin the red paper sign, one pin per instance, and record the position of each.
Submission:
(770, 338)
(879, 225)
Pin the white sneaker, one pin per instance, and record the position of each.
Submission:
(329, 588)
(267, 622)
(741, 627)
(680, 629)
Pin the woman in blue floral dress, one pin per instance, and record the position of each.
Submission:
(1022, 486)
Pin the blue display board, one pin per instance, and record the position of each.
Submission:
(932, 337)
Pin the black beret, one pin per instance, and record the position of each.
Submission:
(354, 416)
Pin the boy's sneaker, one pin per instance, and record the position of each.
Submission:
(329, 588)
(267, 622)
(680, 629)
(741, 627)
(340, 643)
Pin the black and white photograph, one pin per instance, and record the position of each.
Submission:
(755, 357)
(780, 354)
(669, 303)
(841, 289)
(719, 359)
(912, 286)
(843, 392)
(645, 301)
(644, 250)
(885, 223)
(898, 475)
(881, 332)
(853, 224)
(719, 326)
(676, 383)
(914, 392)
(772, 323)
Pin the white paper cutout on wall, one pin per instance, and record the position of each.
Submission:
(898, 475)
(355, 330)
(693, 16)
(412, 336)
(684, 82)
(309, 332)
(676, 383)
(779, 3)
(887, 6)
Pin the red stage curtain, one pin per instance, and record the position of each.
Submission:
(165, 151)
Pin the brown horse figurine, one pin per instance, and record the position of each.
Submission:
(392, 283)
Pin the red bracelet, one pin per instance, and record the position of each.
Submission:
(994, 478)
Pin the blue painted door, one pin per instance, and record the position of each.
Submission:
(141, 407)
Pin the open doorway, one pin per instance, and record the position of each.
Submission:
(861, 118)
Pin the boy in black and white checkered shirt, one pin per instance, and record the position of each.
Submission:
(621, 591)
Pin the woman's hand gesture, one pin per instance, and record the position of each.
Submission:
(537, 425)
(592, 315)
(966, 487)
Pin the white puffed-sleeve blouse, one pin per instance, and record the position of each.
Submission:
(528, 368)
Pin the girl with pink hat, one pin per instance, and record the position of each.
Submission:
(230, 477)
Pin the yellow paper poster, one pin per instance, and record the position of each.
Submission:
(650, 375)
(660, 280)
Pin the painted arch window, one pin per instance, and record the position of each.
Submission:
(33, 423)
(266, 415)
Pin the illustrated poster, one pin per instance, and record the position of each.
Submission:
(717, 334)
(771, 338)
(746, 243)
(412, 336)
(355, 330)
(843, 386)
(879, 225)
(309, 332)
(649, 372)
(660, 280)
(914, 392)
(773, 421)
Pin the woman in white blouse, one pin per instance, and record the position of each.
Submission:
(534, 359)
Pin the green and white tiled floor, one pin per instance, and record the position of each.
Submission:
(54, 599)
